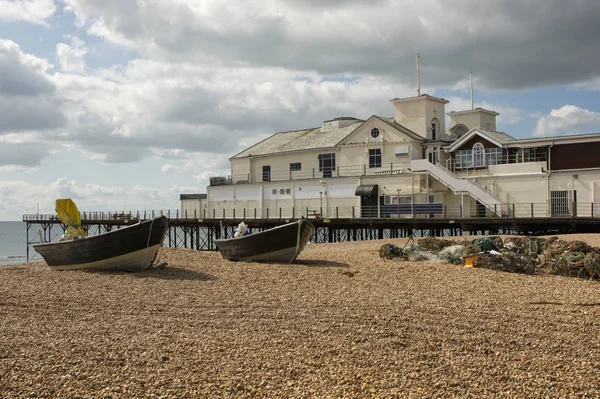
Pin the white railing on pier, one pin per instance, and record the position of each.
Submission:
(392, 211)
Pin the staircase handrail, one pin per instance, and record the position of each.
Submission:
(472, 180)
(447, 180)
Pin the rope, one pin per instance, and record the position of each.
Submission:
(592, 266)
(576, 261)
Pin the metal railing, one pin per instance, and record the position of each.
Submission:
(417, 211)
(457, 184)
(110, 215)
(453, 164)
(313, 173)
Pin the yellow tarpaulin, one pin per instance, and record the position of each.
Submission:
(69, 214)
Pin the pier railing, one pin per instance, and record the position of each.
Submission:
(400, 211)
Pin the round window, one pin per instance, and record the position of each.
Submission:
(375, 132)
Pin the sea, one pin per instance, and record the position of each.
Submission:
(13, 243)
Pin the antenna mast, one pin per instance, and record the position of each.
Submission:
(471, 81)
(418, 77)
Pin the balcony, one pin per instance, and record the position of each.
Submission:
(465, 162)
(392, 168)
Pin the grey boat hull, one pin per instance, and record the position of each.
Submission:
(279, 244)
(132, 248)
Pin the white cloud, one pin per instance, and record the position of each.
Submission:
(171, 109)
(22, 74)
(71, 57)
(18, 197)
(29, 108)
(34, 11)
(590, 85)
(509, 115)
(567, 120)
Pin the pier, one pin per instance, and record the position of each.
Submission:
(199, 233)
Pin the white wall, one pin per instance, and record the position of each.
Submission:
(195, 208)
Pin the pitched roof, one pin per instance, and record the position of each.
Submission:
(564, 138)
(308, 139)
(498, 138)
(392, 122)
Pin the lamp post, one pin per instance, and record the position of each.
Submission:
(321, 194)
(324, 184)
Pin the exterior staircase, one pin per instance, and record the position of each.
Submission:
(458, 185)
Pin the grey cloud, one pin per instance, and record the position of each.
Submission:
(123, 154)
(27, 96)
(29, 154)
(30, 113)
(195, 106)
(19, 79)
(96, 135)
(508, 44)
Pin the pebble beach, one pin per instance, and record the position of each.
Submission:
(339, 323)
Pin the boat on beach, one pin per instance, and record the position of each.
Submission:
(132, 248)
(279, 244)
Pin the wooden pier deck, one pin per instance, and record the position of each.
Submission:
(199, 234)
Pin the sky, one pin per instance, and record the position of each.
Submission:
(126, 104)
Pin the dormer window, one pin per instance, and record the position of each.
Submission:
(375, 132)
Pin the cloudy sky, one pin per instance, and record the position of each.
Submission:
(125, 104)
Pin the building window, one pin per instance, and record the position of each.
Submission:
(274, 191)
(375, 132)
(327, 164)
(282, 191)
(288, 191)
(394, 200)
(375, 158)
(464, 159)
(434, 129)
(478, 152)
(295, 166)
(266, 173)
(478, 157)
(493, 156)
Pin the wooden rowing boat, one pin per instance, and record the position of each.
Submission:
(279, 244)
(132, 248)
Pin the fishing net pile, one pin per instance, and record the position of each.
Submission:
(435, 244)
(571, 258)
(527, 255)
